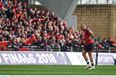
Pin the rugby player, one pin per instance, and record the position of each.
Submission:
(88, 42)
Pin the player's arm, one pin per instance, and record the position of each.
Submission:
(81, 38)
(90, 32)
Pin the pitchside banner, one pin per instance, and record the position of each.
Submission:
(52, 58)
(33, 58)
(103, 58)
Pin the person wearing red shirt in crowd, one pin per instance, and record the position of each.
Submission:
(1, 4)
(87, 40)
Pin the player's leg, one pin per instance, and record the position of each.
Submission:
(86, 58)
(84, 53)
(91, 60)
(91, 57)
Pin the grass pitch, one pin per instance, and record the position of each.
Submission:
(55, 70)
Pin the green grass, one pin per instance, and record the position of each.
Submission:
(55, 70)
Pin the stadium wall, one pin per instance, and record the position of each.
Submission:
(100, 18)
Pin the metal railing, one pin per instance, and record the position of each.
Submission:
(62, 49)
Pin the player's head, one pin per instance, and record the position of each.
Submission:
(83, 27)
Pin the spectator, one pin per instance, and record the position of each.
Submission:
(20, 25)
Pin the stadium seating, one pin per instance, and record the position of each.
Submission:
(36, 29)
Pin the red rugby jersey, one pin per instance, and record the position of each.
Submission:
(87, 37)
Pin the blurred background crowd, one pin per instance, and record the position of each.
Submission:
(22, 27)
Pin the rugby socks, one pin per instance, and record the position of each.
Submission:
(92, 64)
(87, 62)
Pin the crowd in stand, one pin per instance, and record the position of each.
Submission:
(22, 26)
